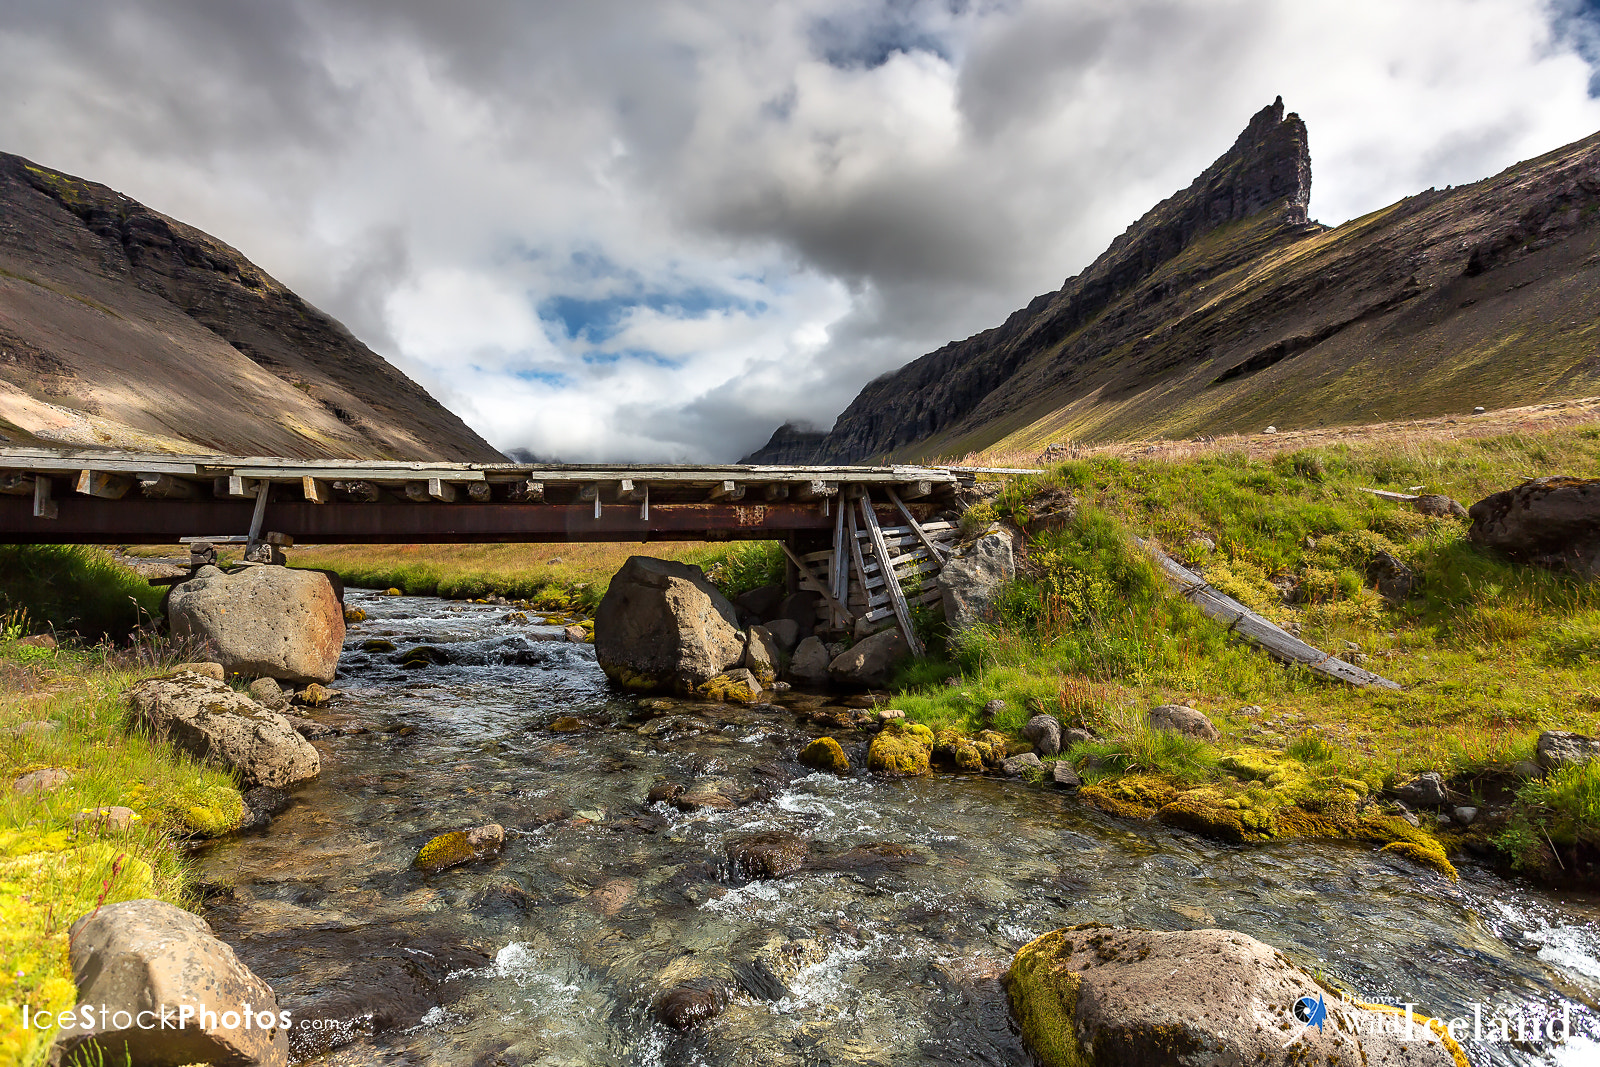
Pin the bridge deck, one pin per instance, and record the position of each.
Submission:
(91, 496)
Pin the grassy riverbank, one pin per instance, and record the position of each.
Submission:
(564, 577)
(1488, 653)
(62, 709)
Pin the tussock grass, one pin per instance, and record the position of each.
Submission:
(558, 577)
(52, 872)
(1488, 652)
(74, 590)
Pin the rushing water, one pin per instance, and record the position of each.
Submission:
(555, 952)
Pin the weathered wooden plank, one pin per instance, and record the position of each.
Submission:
(1404, 498)
(234, 487)
(358, 491)
(631, 491)
(1278, 642)
(315, 490)
(43, 506)
(159, 486)
(808, 580)
(775, 491)
(913, 490)
(921, 534)
(525, 491)
(901, 610)
(479, 492)
(417, 492)
(439, 489)
(727, 490)
(16, 483)
(816, 489)
(104, 484)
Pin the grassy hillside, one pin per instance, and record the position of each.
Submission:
(1488, 653)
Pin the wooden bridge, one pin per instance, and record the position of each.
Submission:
(838, 525)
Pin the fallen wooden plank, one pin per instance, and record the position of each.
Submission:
(315, 490)
(1387, 495)
(1278, 642)
(916, 528)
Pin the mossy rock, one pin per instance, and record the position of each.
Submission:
(826, 754)
(392, 591)
(737, 686)
(901, 750)
(355, 615)
(378, 644)
(1213, 815)
(1044, 998)
(1132, 796)
(216, 811)
(460, 846)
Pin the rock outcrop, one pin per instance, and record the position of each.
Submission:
(264, 622)
(1223, 310)
(972, 578)
(1551, 522)
(789, 445)
(216, 725)
(1184, 720)
(140, 961)
(663, 626)
(1097, 996)
(871, 661)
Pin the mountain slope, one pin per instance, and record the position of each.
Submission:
(1223, 310)
(122, 327)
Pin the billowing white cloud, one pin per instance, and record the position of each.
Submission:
(622, 230)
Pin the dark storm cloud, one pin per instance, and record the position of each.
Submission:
(658, 230)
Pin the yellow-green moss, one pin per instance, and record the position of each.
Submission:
(825, 754)
(214, 810)
(901, 749)
(446, 850)
(1044, 999)
(1133, 796)
(729, 690)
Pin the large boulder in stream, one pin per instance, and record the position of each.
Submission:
(264, 622)
(1098, 996)
(217, 725)
(148, 960)
(1550, 522)
(662, 625)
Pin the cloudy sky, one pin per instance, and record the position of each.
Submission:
(656, 229)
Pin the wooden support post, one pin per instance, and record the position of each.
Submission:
(902, 611)
(314, 490)
(644, 503)
(839, 564)
(439, 489)
(916, 527)
(775, 491)
(727, 491)
(359, 492)
(913, 490)
(631, 491)
(810, 582)
(479, 492)
(855, 556)
(43, 506)
(103, 485)
(166, 487)
(235, 487)
(263, 491)
(417, 492)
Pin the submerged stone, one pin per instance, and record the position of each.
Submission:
(461, 846)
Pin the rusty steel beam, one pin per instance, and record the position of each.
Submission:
(91, 520)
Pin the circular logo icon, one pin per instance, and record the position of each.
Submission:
(1304, 1008)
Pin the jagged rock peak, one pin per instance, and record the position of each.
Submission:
(791, 444)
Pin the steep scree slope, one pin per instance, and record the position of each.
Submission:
(121, 327)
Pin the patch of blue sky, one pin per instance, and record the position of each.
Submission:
(597, 320)
(637, 355)
(1577, 23)
(869, 36)
(545, 377)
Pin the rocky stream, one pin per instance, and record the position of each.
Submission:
(869, 923)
